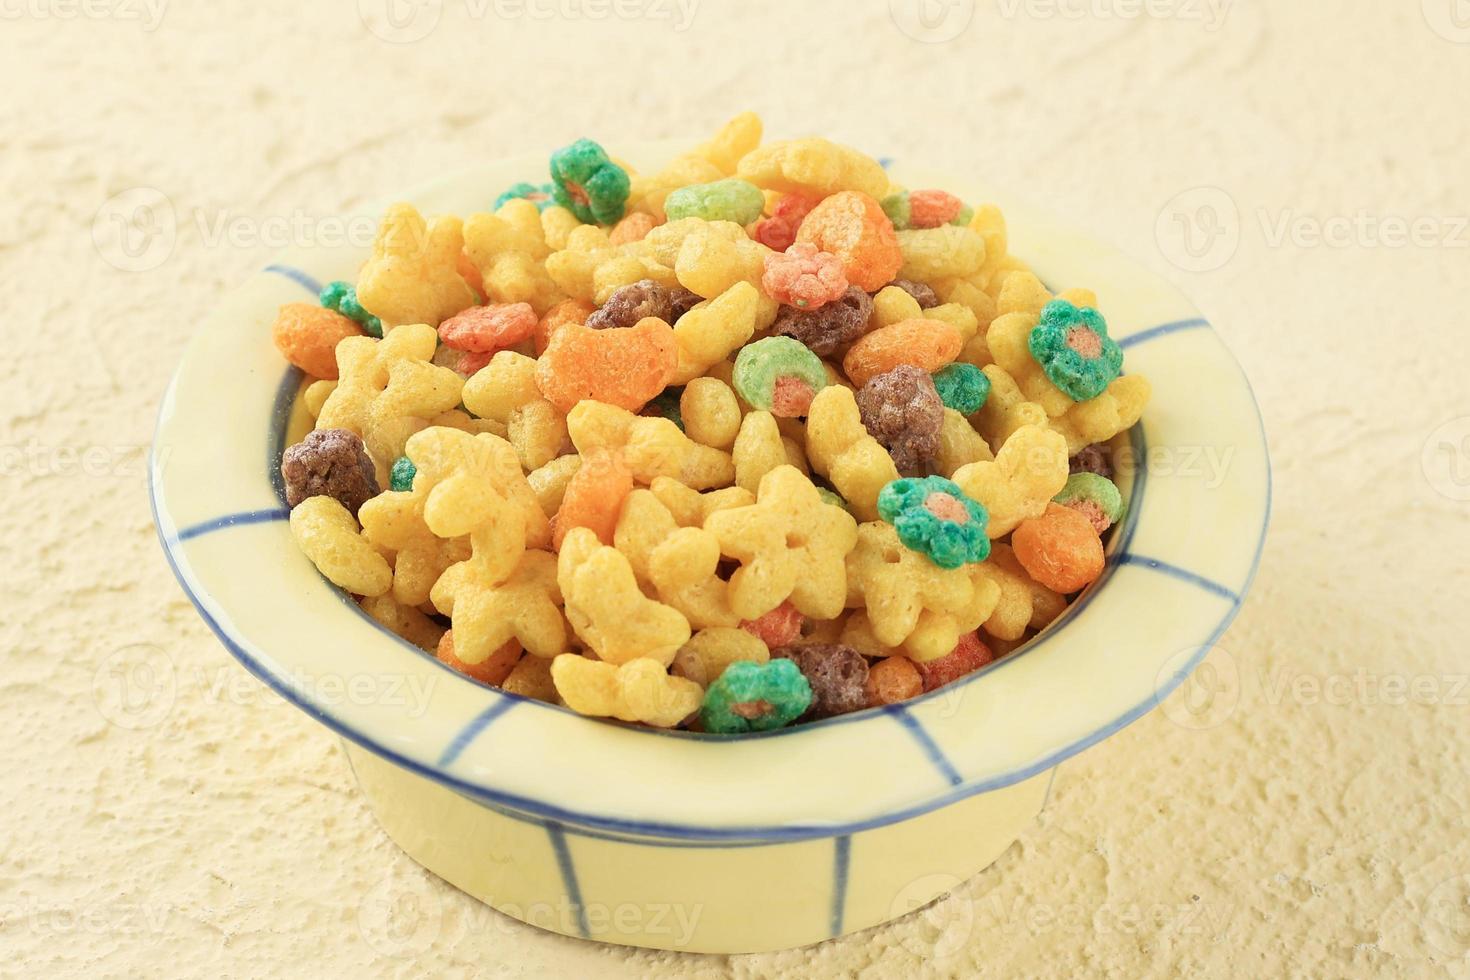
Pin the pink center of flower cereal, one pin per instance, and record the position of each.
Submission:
(945, 507)
(751, 710)
(576, 193)
(1084, 342)
(791, 397)
(1090, 510)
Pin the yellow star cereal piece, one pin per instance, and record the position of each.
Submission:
(412, 276)
(574, 267)
(758, 449)
(1006, 410)
(733, 141)
(652, 447)
(327, 533)
(1098, 419)
(840, 449)
(814, 167)
(712, 259)
(712, 331)
(549, 482)
(789, 545)
(690, 508)
(394, 521)
(406, 621)
(910, 601)
(946, 252)
(471, 482)
(509, 248)
(387, 387)
(684, 570)
(643, 524)
(499, 388)
(607, 609)
(959, 444)
(704, 658)
(1023, 604)
(640, 690)
(1030, 469)
(486, 613)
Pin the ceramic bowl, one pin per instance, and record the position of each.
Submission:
(702, 843)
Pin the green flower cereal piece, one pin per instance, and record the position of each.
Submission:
(962, 387)
(1095, 497)
(779, 375)
(402, 474)
(731, 199)
(752, 697)
(936, 518)
(540, 195)
(588, 184)
(342, 297)
(1072, 346)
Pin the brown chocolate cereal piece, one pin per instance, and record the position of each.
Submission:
(902, 410)
(923, 293)
(827, 327)
(838, 676)
(626, 306)
(329, 463)
(1092, 459)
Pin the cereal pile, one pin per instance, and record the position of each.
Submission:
(756, 439)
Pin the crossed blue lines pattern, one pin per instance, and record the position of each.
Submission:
(558, 831)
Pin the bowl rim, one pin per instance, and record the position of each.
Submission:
(646, 820)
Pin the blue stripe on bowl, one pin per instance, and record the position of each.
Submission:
(841, 855)
(920, 734)
(305, 279)
(1162, 330)
(556, 834)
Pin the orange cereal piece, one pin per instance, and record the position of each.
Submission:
(307, 334)
(1060, 549)
(925, 343)
(621, 366)
(594, 497)
(493, 670)
(632, 228)
(487, 329)
(778, 628)
(893, 679)
(567, 311)
(470, 273)
(852, 226)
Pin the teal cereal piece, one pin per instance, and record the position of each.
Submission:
(1072, 346)
(1095, 497)
(665, 405)
(402, 474)
(830, 497)
(779, 375)
(962, 387)
(752, 697)
(731, 199)
(342, 297)
(936, 518)
(538, 194)
(588, 184)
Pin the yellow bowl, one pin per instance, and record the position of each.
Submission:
(703, 843)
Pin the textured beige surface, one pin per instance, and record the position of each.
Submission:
(164, 815)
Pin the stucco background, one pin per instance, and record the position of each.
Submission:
(1299, 808)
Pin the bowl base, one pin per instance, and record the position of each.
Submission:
(709, 896)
